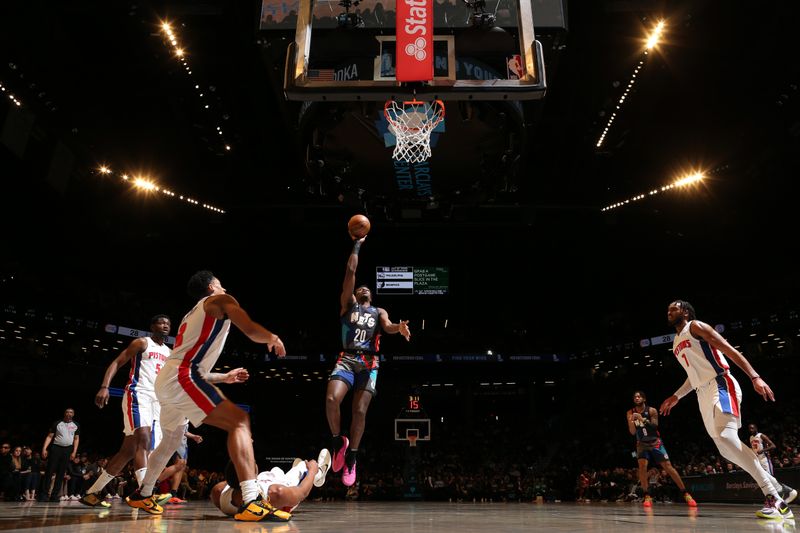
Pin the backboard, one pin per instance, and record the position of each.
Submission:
(408, 427)
(345, 51)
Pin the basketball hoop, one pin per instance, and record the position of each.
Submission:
(412, 440)
(412, 123)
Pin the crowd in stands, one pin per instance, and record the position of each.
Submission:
(23, 478)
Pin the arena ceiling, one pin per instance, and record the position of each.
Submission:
(719, 94)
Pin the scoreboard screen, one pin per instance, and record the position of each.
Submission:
(411, 280)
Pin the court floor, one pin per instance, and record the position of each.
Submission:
(383, 517)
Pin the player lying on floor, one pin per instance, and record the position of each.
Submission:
(284, 490)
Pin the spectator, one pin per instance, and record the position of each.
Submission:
(75, 472)
(31, 483)
(5, 468)
(14, 490)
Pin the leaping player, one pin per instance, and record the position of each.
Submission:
(357, 365)
(701, 352)
(186, 390)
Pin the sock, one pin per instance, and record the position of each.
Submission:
(140, 475)
(296, 475)
(350, 457)
(102, 480)
(336, 442)
(249, 490)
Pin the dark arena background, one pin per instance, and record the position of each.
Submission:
(650, 153)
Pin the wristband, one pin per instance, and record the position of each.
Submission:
(103, 387)
(356, 247)
(755, 377)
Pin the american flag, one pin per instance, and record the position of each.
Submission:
(320, 74)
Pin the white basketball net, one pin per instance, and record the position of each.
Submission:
(412, 123)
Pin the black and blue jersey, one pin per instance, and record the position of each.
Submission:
(646, 433)
(361, 329)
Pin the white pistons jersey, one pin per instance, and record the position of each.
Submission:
(756, 442)
(709, 375)
(701, 361)
(200, 340)
(146, 365)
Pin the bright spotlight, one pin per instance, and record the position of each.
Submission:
(688, 180)
(654, 37)
(141, 183)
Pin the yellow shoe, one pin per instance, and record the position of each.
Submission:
(147, 504)
(93, 500)
(259, 509)
(161, 499)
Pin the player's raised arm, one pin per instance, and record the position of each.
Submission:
(225, 305)
(349, 284)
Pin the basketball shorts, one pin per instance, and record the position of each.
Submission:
(185, 395)
(654, 452)
(720, 402)
(359, 371)
(140, 409)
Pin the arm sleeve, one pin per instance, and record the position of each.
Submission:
(77, 428)
(684, 389)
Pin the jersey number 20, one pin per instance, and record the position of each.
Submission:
(361, 335)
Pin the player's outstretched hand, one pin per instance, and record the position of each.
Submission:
(101, 399)
(277, 346)
(237, 375)
(668, 404)
(763, 389)
(404, 331)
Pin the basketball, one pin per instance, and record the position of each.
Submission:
(358, 226)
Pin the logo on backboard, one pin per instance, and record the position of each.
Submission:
(515, 70)
(417, 49)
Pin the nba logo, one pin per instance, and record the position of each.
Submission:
(514, 68)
